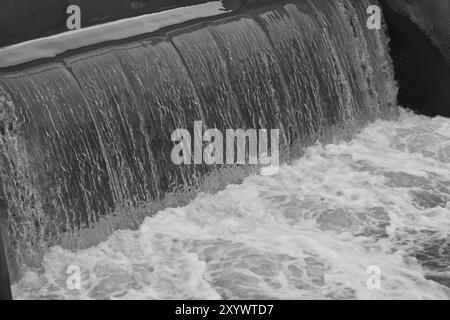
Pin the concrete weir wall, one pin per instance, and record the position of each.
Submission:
(22, 20)
(85, 136)
(431, 16)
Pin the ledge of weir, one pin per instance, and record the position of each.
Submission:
(59, 46)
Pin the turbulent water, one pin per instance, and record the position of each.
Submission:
(86, 138)
(380, 200)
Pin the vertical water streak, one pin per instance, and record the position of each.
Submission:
(52, 157)
(168, 101)
(256, 77)
(209, 74)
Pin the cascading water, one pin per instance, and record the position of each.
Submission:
(85, 141)
(377, 202)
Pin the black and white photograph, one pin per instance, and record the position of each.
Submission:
(247, 151)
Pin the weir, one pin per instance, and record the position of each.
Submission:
(422, 70)
(85, 137)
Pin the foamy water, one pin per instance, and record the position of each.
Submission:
(311, 232)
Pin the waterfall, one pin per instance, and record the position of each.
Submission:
(87, 137)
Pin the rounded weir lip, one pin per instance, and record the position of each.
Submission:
(52, 46)
(156, 23)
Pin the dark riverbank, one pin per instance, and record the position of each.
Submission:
(422, 71)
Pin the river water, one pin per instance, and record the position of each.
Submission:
(316, 230)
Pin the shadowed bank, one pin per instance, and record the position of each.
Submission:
(421, 68)
(86, 139)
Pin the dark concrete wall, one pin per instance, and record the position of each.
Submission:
(431, 16)
(99, 11)
(422, 70)
(22, 20)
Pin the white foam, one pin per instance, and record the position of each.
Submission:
(312, 231)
